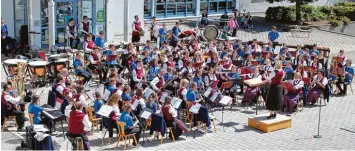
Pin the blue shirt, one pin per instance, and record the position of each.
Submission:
(223, 54)
(97, 105)
(76, 64)
(126, 118)
(111, 62)
(288, 69)
(111, 88)
(152, 107)
(268, 50)
(198, 81)
(162, 35)
(282, 50)
(4, 31)
(153, 71)
(133, 65)
(274, 35)
(35, 110)
(191, 95)
(240, 53)
(146, 60)
(126, 97)
(315, 51)
(100, 42)
(175, 31)
(301, 52)
(168, 76)
(146, 48)
(233, 75)
(350, 70)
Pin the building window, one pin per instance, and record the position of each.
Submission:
(217, 6)
(147, 8)
(175, 8)
(20, 16)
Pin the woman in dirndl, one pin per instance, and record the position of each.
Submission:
(318, 86)
(291, 98)
(274, 95)
(136, 30)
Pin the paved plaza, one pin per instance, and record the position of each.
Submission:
(337, 117)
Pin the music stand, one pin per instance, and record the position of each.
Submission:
(111, 57)
(145, 114)
(255, 83)
(225, 85)
(104, 111)
(237, 63)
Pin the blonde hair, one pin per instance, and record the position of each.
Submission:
(184, 82)
(126, 107)
(113, 100)
(278, 64)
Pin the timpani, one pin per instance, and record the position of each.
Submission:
(10, 65)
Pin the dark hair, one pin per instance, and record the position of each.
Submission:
(71, 19)
(85, 17)
(102, 32)
(59, 78)
(148, 41)
(135, 16)
(111, 45)
(153, 17)
(35, 98)
(6, 86)
(167, 100)
(177, 23)
(125, 88)
(97, 94)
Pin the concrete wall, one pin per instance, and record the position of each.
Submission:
(7, 12)
(115, 12)
(349, 29)
(36, 21)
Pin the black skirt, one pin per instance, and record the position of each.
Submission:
(274, 97)
(136, 38)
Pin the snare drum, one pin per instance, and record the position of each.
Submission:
(10, 65)
(60, 64)
(38, 68)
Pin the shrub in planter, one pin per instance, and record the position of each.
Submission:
(288, 14)
(345, 21)
(334, 22)
(327, 10)
(274, 13)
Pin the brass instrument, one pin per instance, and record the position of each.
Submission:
(18, 81)
(314, 83)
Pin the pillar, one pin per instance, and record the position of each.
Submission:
(197, 9)
(51, 23)
(236, 6)
(126, 20)
(30, 23)
(153, 8)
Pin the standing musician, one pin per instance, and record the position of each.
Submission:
(138, 74)
(252, 92)
(85, 27)
(158, 81)
(9, 106)
(349, 75)
(72, 34)
(317, 87)
(210, 78)
(95, 64)
(79, 68)
(290, 99)
(154, 30)
(274, 95)
(136, 29)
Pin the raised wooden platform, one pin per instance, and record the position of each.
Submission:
(266, 125)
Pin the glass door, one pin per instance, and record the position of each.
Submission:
(65, 11)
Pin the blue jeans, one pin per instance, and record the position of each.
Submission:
(87, 75)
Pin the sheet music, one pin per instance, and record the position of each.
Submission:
(176, 102)
(208, 92)
(147, 92)
(135, 104)
(119, 92)
(214, 96)
(225, 100)
(163, 96)
(145, 114)
(106, 95)
(105, 110)
(195, 108)
(39, 128)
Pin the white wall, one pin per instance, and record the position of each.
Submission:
(114, 19)
(7, 12)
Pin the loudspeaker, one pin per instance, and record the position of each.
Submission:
(24, 36)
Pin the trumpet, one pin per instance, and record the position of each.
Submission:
(314, 83)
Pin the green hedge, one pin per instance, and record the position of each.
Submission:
(341, 11)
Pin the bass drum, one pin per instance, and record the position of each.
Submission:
(211, 32)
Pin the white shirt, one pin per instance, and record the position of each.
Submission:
(68, 110)
(116, 110)
(86, 121)
(92, 61)
(297, 85)
(60, 88)
(273, 74)
(134, 74)
(180, 64)
(154, 82)
(81, 28)
(155, 28)
(86, 49)
(210, 77)
(68, 32)
(10, 98)
(183, 93)
(172, 111)
(324, 81)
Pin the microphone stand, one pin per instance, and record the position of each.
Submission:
(320, 107)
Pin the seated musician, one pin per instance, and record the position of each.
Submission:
(299, 50)
(269, 48)
(237, 45)
(89, 44)
(98, 103)
(287, 54)
(151, 102)
(224, 53)
(283, 60)
(60, 86)
(318, 86)
(267, 67)
(78, 122)
(252, 92)
(213, 61)
(169, 75)
(300, 60)
(249, 58)
(147, 59)
(95, 65)
(187, 72)
(303, 73)
(227, 64)
(290, 99)
(36, 110)
(184, 60)
(198, 79)
(153, 69)
(314, 51)
(9, 106)
(250, 65)
(333, 70)
(342, 55)
(191, 96)
(126, 93)
(235, 56)
(284, 46)
(130, 127)
(288, 70)
(198, 58)
(139, 97)
(315, 63)
(349, 75)
(100, 40)
(158, 82)
(164, 47)
(210, 78)
(169, 64)
(169, 114)
(254, 46)
(111, 122)
(155, 54)
(113, 63)
(112, 85)
(138, 74)
(79, 68)
(233, 75)
(267, 57)
(148, 47)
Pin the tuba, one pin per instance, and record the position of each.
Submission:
(18, 80)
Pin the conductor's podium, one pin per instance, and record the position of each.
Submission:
(262, 123)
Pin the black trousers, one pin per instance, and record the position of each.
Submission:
(118, 66)
(71, 41)
(102, 71)
(137, 131)
(153, 38)
(84, 137)
(234, 33)
(20, 117)
(342, 82)
(4, 43)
